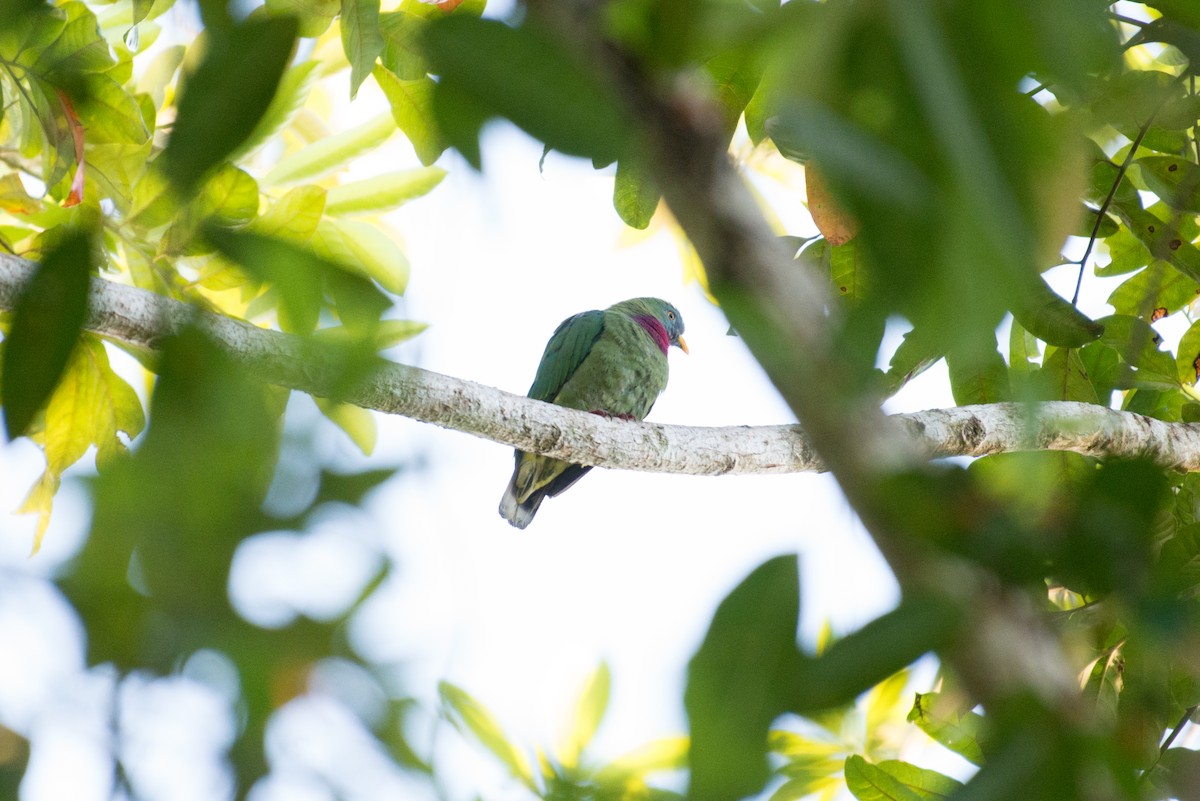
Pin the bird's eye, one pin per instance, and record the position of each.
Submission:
(670, 315)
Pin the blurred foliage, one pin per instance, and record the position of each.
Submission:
(961, 147)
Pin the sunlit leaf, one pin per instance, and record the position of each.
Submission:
(669, 753)
(294, 216)
(332, 152)
(958, 730)
(892, 780)
(412, 110)
(468, 715)
(365, 248)
(314, 16)
(358, 423)
(589, 711)
(382, 192)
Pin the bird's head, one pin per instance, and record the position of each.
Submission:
(659, 311)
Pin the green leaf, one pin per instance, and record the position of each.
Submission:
(385, 335)
(468, 715)
(529, 78)
(1187, 357)
(1024, 352)
(960, 731)
(589, 711)
(383, 192)
(1155, 292)
(1176, 181)
(1063, 377)
(635, 194)
(1052, 319)
(401, 55)
(1161, 238)
(226, 97)
(1126, 254)
(46, 322)
(314, 16)
(1137, 343)
(357, 423)
(300, 275)
(978, 377)
(893, 780)
(737, 682)
(293, 91)
(294, 216)
(916, 354)
(89, 407)
(331, 152)
(361, 39)
(412, 110)
(364, 248)
(230, 196)
(108, 112)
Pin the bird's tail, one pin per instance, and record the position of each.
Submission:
(515, 512)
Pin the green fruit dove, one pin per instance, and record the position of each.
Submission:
(612, 363)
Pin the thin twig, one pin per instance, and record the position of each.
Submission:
(1137, 23)
(1112, 193)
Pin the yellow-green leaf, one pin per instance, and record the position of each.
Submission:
(669, 753)
(412, 110)
(589, 711)
(332, 152)
(363, 247)
(384, 335)
(40, 501)
(382, 192)
(89, 407)
(468, 715)
(358, 423)
(294, 216)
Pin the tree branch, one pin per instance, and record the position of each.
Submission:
(144, 319)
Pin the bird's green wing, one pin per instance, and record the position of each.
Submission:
(566, 350)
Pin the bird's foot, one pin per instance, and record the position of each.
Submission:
(611, 416)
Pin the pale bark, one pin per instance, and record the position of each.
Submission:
(144, 319)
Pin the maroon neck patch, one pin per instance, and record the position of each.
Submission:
(656, 330)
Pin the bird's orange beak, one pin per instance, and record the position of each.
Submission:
(682, 345)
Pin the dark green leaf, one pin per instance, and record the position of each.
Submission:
(528, 77)
(46, 323)
(227, 95)
(1050, 318)
(1126, 253)
(860, 660)
(978, 377)
(737, 682)
(915, 355)
(1063, 377)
